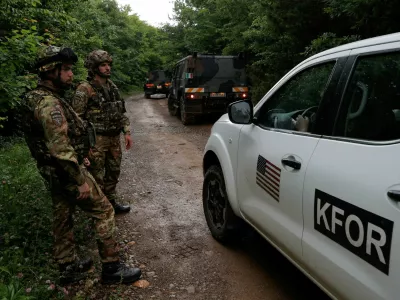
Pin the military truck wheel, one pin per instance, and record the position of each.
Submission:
(172, 109)
(186, 118)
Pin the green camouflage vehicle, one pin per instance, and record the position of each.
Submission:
(206, 84)
(157, 82)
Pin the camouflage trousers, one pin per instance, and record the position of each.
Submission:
(105, 163)
(96, 206)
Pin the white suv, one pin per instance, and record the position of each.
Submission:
(315, 169)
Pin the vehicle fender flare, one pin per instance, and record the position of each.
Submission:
(217, 150)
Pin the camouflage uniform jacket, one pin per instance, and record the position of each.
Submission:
(55, 135)
(102, 106)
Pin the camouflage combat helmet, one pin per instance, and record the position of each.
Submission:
(51, 56)
(95, 58)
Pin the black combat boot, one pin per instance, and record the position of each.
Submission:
(72, 272)
(120, 209)
(117, 272)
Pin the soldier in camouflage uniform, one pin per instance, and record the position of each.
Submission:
(58, 141)
(100, 102)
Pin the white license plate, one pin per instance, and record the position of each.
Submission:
(217, 95)
(159, 86)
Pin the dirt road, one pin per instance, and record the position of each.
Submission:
(162, 179)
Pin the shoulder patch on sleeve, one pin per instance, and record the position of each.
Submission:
(57, 116)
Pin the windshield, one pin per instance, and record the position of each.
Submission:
(156, 77)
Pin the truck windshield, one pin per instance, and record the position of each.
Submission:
(156, 77)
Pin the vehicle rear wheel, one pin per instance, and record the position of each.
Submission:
(173, 110)
(186, 118)
(147, 96)
(221, 220)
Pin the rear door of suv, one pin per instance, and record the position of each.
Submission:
(351, 198)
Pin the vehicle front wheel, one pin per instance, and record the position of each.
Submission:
(221, 220)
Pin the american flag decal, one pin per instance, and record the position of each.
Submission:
(268, 177)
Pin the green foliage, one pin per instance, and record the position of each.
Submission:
(274, 34)
(13, 290)
(367, 18)
(326, 41)
(93, 24)
(25, 211)
(14, 62)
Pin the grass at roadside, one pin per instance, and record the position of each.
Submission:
(27, 270)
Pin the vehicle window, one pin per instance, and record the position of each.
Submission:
(157, 76)
(371, 104)
(294, 106)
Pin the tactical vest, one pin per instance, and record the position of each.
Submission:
(105, 110)
(34, 133)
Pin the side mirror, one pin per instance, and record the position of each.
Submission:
(241, 112)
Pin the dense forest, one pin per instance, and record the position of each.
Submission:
(273, 34)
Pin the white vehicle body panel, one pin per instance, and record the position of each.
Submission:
(354, 172)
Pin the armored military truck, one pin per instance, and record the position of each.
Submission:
(206, 84)
(157, 82)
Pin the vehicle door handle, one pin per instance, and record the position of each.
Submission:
(291, 163)
(394, 195)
